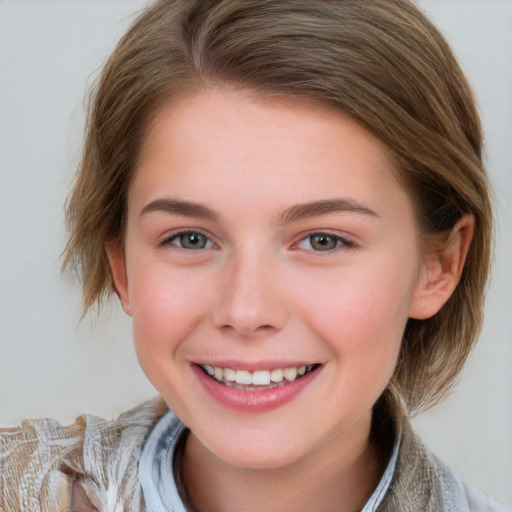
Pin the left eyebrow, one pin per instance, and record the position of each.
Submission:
(323, 207)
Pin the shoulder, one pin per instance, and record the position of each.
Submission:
(44, 462)
(467, 499)
(478, 501)
(423, 482)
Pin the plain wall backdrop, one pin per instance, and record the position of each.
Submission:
(52, 366)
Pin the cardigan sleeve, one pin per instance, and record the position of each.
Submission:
(88, 466)
(31, 457)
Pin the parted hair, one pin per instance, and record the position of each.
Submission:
(382, 62)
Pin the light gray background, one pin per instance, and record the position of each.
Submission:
(52, 367)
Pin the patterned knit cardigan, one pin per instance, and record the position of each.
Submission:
(91, 466)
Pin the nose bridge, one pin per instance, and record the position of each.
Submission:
(251, 299)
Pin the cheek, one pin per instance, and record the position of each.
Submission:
(166, 307)
(362, 311)
(361, 323)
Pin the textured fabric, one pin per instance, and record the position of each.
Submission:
(92, 466)
(88, 466)
(156, 466)
(423, 483)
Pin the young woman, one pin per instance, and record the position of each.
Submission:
(289, 200)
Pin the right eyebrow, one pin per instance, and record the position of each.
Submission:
(174, 206)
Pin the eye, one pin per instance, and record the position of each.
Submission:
(191, 240)
(324, 242)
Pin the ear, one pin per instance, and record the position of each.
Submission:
(441, 270)
(117, 261)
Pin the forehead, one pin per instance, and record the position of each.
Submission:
(239, 147)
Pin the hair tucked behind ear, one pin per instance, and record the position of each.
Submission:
(381, 62)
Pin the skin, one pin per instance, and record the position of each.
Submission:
(261, 293)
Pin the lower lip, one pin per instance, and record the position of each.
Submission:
(254, 401)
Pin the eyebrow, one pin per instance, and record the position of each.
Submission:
(294, 213)
(180, 207)
(323, 207)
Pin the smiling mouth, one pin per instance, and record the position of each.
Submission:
(259, 379)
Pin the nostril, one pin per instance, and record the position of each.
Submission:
(248, 330)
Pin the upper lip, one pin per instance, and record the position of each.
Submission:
(256, 366)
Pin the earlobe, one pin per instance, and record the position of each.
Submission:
(441, 271)
(117, 262)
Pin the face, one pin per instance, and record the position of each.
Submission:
(270, 264)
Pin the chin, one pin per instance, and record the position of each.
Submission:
(258, 459)
(258, 450)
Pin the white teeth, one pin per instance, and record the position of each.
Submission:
(258, 377)
(276, 375)
(261, 378)
(218, 373)
(230, 374)
(290, 374)
(243, 377)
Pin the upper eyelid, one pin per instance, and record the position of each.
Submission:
(329, 232)
(347, 241)
(169, 236)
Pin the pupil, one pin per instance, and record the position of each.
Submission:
(323, 242)
(193, 241)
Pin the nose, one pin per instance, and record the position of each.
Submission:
(251, 299)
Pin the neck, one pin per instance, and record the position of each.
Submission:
(339, 476)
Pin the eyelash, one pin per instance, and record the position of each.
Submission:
(168, 240)
(341, 243)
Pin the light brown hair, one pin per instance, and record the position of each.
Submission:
(381, 62)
